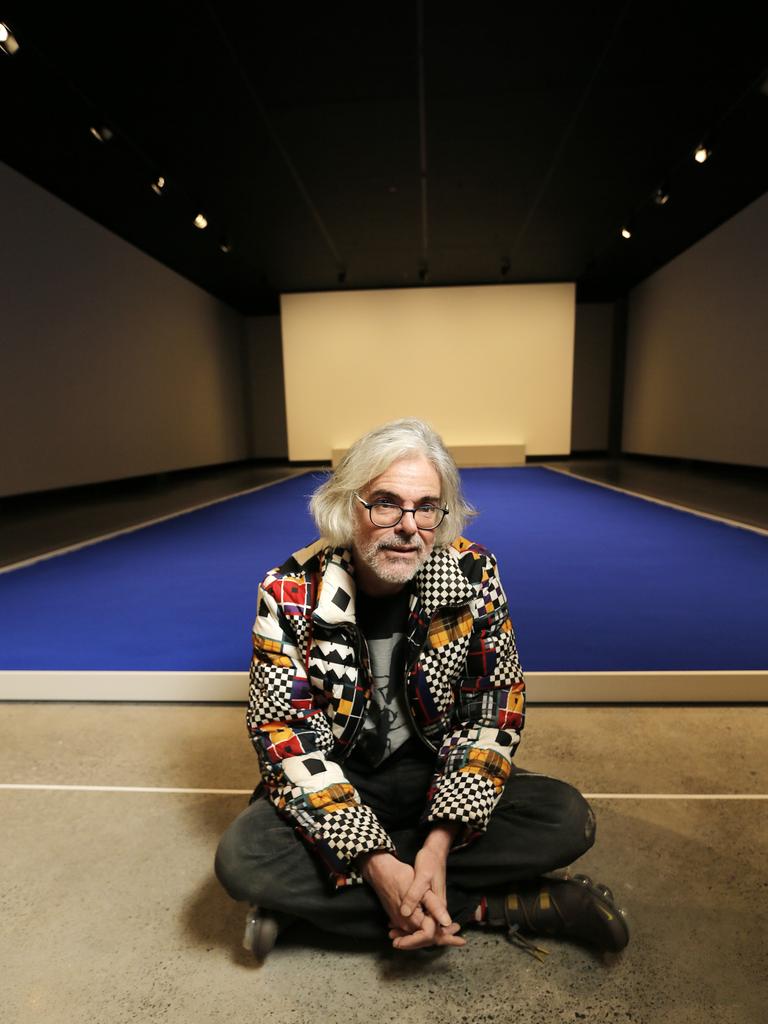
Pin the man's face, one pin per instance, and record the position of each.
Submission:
(387, 557)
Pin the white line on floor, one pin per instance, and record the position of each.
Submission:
(676, 796)
(69, 548)
(660, 501)
(247, 792)
(128, 789)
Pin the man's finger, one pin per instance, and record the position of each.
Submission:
(396, 933)
(423, 936)
(416, 940)
(407, 925)
(415, 895)
(416, 919)
(452, 928)
(436, 908)
(427, 936)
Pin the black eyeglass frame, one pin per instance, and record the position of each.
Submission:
(370, 505)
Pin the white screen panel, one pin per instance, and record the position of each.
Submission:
(484, 365)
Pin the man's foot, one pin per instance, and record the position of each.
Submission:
(261, 930)
(571, 907)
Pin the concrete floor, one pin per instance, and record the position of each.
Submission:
(109, 911)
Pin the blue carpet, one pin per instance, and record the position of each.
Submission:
(602, 581)
(179, 595)
(597, 580)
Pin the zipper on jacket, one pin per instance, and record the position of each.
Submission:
(416, 729)
(409, 663)
(409, 666)
(359, 642)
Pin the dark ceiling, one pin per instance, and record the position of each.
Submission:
(371, 145)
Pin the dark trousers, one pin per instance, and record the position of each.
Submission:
(538, 825)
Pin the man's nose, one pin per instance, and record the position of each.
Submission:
(407, 524)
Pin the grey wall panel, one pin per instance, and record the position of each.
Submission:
(697, 349)
(111, 365)
(592, 376)
(265, 388)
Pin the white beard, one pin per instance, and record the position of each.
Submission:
(394, 570)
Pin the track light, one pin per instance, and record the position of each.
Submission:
(201, 221)
(625, 232)
(101, 132)
(702, 154)
(504, 268)
(158, 185)
(341, 277)
(8, 41)
(423, 272)
(225, 245)
(661, 197)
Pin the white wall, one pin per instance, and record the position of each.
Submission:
(590, 420)
(697, 349)
(484, 365)
(111, 365)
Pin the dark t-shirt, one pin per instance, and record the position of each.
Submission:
(388, 724)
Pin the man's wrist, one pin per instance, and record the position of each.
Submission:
(372, 860)
(442, 836)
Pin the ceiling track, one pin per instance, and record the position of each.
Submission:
(277, 142)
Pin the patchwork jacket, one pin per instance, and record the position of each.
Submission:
(310, 690)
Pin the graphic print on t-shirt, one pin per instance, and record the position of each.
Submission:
(388, 724)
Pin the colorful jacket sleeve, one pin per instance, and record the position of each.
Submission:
(293, 739)
(475, 757)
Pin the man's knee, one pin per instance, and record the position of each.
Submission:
(246, 855)
(230, 865)
(558, 814)
(577, 821)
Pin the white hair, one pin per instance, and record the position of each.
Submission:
(333, 503)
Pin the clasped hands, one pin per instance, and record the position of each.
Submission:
(414, 898)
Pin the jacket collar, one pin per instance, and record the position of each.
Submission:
(439, 583)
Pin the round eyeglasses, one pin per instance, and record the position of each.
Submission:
(387, 513)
